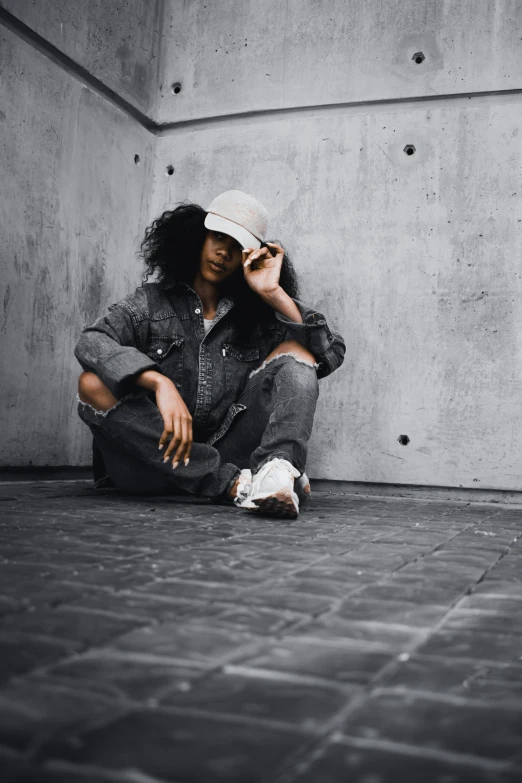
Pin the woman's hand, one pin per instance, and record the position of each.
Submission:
(177, 421)
(262, 269)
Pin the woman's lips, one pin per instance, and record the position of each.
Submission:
(216, 267)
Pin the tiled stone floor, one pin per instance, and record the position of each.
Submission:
(371, 641)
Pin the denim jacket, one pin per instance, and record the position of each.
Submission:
(161, 329)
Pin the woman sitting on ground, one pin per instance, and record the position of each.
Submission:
(205, 381)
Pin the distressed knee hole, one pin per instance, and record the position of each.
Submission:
(293, 356)
(103, 414)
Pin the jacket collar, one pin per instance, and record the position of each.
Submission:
(181, 288)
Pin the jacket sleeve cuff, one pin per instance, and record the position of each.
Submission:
(313, 333)
(117, 368)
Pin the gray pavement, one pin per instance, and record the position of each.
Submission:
(150, 639)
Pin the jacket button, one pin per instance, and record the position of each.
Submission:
(197, 310)
(159, 351)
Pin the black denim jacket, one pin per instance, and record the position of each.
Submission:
(162, 329)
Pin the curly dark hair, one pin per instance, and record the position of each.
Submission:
(172, 248)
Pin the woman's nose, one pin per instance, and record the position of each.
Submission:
(225, 250)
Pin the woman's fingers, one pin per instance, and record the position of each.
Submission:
(276, 247)
(164, 438)
(182, 454)
(248, 258)
(180, 446)
(175, 438)
(252, 257)
(188, 441)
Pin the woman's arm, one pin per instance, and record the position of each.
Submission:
(284, 305)
(302, 323)
(108, 348)
(177, 421)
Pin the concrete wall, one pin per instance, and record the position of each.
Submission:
(244, 55)
(308, 105)
(114, 40)
(74, 206)
(414, 258)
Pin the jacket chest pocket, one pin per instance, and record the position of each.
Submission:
(239, 361)
(167, 352)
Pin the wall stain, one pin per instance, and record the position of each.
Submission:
(7, 300)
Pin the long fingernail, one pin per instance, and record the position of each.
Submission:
(161, 446)
(166, 459)
(175, 465)
(187, 462)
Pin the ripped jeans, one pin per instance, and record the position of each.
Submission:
(274, 417)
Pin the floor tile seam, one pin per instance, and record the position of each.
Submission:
(289, 626)
(230, 717)
(205, 674)
(425, 752)
(505, 596)
(249, 648)
(44, 737)
(120, 699)
(364, 645)
(278, 675)
(95, 588)
(46, 678)
(64, 567)
(74, 687)
(243, 588)
(484, 662)
(46, 669)
(67, 608)
(21, 636)
(199, 603)
(331, 610)
(291, 629)
(477, 582)
(112, 654)
(303, 762)
(416, 644)
(77, 609)
(304, 566)
(473, 611)
(235, 588)
(377, 625)
(309, 755)
(103, 773)
(409, 650)
(141, 551)
(434, 549)
(514, 706)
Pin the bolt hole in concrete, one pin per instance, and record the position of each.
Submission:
(176, 88)
(409, 149)
(403, 440)
(418, 57)
(137, 160)
(169, 171)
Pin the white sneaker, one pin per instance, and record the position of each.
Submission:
(272, 490)
(244, 486)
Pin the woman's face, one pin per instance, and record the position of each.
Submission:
(221, 256)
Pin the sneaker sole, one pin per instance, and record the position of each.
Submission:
(281, 504)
